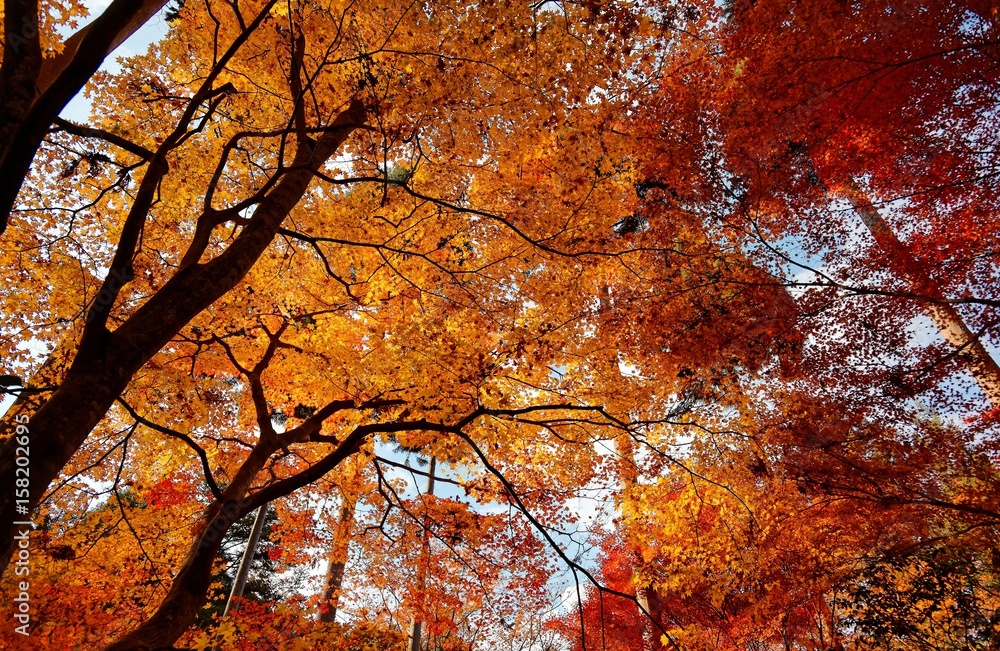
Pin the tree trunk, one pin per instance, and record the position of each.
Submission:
(945, 317)
(648, 634)
(338, 555)
(417, 625)
(645, 595)
(22, 60)
(189, 590)
(106, 361)
(248, 554)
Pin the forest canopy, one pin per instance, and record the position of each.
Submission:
(501, 325)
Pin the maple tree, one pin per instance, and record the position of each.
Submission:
(549, 246)
(804, 119)
(858, 124)
(156, 284)
(273, 196)
(812, 101)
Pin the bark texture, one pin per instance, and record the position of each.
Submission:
(945, 317)
(645, 595)
(338, 557)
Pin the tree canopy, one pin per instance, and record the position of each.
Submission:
(528, 325)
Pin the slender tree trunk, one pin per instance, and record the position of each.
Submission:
(945, 317)
(648, 634)
(106, 361)
(417, 624)
(338, 554)
(248, 555)
(628, 474)
(645, 595)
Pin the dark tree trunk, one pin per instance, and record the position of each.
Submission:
(189, 591)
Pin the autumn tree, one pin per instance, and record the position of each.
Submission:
(769, 125)
(874, 118)
(463, 574)
(457, 189)
(780, 532)
(550, 246)
(293, 141)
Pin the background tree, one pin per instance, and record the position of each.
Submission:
(771, 120)
(837, 124)
(263, 585)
